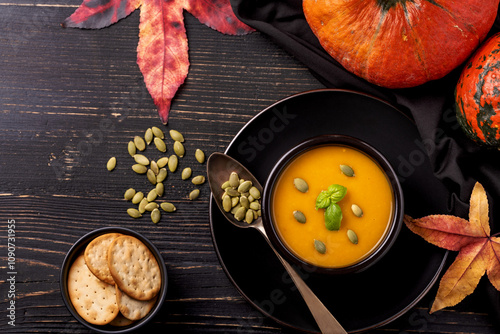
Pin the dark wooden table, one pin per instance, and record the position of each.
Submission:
(69, 100)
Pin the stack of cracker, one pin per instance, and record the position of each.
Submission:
(115, 281)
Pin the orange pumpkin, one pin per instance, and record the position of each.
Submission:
(400, 43)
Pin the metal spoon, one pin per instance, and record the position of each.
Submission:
(219, 167)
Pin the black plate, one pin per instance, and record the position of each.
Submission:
(358, 301)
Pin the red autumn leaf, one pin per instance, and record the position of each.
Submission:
(479, 253)
(162, 53)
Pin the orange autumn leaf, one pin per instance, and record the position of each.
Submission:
(162, 53)
(479, 253)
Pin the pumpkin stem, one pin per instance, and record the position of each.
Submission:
(385, 5)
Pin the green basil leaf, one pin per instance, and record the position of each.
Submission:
(333, 217)
(323, 200)
(337, 192)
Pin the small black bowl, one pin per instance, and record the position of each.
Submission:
(78, 247)
(325, 140)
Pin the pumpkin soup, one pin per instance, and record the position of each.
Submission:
(367, 206)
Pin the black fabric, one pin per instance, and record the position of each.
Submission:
(457, 161)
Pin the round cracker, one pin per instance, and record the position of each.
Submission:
(96, 256)
(134, 268)
(94, 300)
(131, 308)
(121, 321)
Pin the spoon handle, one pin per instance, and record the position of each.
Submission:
(324, 319)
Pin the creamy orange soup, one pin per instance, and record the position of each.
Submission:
(369, 188)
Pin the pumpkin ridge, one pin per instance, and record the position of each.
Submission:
(419, 50)
(464, 24)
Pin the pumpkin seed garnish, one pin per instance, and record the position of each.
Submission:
(155, 216)
(186, 173)
(129, 193)
(151, 206)
(319, 246)
(225, 185)
(179, 149)
(199, 155)
(139, 143)
(131, 148)
(158, 132)
(357, 210)
(172, 163)
(139, 169)
(168, 207)
(232, 192)
(254, 206)
(138, 197)
(352, 236)
(148, 136)
(111, 164)
(240, 214)
(141, 159)
(134, 213)
(199, 179)
(194, 194)
(254, 192)
(299, 216)
(162, 162)
(176, 136)
(249, 216)
(347, 170)
(244, 202)
(301, 185)
(160, 144)
(234, 201)
(244, 186)
(154, 167)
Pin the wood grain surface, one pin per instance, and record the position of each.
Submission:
(69, 100)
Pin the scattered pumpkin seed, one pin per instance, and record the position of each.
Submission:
(154, 167)
(151, 206)
(186, 173)
(250, 198)
(199, 155)
(199, 179)
(245, 186)
(139, 169)
(319, 246)
(132, 149)
(179, 149)
(225, 185)
(254, 192)
(299, 216)
(234, 201)
(134, 213)
(160, 144)
(194, 194)
(357, 210)
(152, 195)
(227, 203)
(234, 180)
(353, 237)
(138, 197)
(240, 214)
(155, 216)
(347, 170)
(160, 189)
(301, 185)
(233, 210)
(232, 192)
(151, 176)
(142, 205)
(111, 164)
(176, 136)
(158, 132)
(162, 175)
(148, 136)
(162, 162)
(141, 159)
(254, 206)
(249, 217)
(140, 144)
(172, 163)
(168, 207)
(129, 193)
